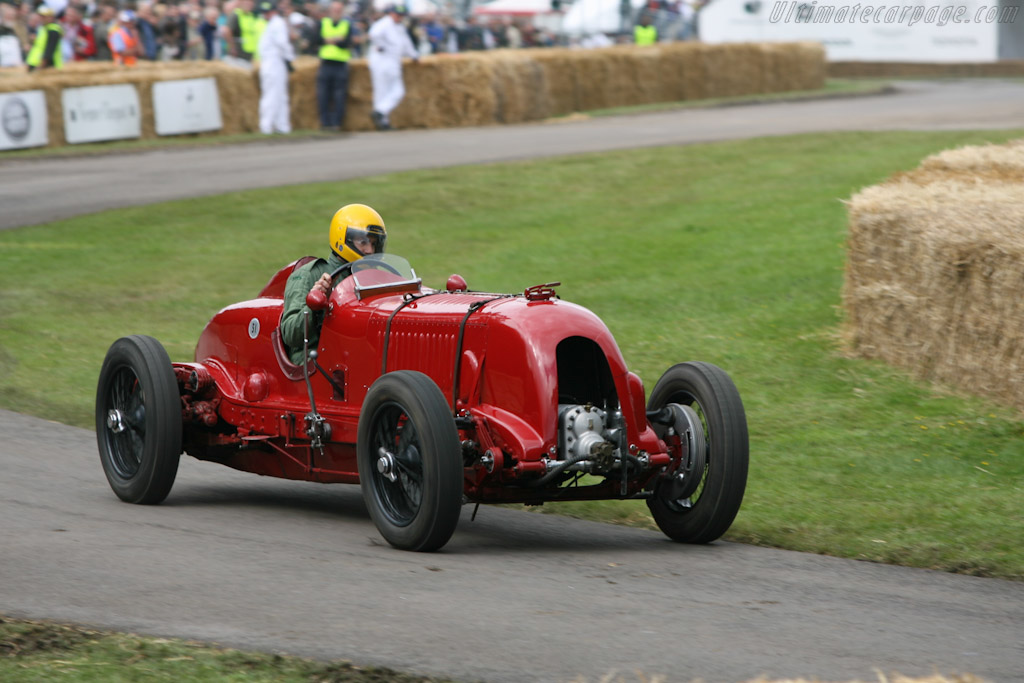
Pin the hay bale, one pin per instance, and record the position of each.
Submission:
(562, 81)
(1001, 163)
(643, 70)
(448, 92)
(302, 93)
(689, 65)
(793, 66)
(606, 78)
(935, 270)
(733, 69)
(516, 80)
(676, 61)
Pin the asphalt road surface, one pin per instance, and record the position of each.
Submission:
(296, 567)
(39, 191)
(283, 566)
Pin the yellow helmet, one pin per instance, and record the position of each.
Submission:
(356, 228)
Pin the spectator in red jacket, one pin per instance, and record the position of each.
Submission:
(78, 35)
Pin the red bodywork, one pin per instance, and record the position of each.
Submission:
(515, 360)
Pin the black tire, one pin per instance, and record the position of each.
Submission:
(709, 511)
(409, 460)
(138, 420)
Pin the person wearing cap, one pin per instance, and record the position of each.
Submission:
(276, 54)
(335, 39)
(389, 42)
(46, 50)
(124, 42)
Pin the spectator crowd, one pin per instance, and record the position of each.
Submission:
(210, 29)
(271, 34)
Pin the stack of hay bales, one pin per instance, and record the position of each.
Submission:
(514, 86)
(476, 88)
(935, 273)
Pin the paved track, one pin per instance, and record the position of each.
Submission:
(39, 191)
(269, 564)
(276, 565)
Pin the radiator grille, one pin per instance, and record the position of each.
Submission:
(427, 347)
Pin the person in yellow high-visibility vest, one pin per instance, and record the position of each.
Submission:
(644, 33)
(335, 39)
(243, 32)
(46, 50)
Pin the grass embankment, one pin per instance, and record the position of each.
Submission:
(730, 253)
(33, 651)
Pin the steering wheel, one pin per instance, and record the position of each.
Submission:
(316, 299)
(339, 270)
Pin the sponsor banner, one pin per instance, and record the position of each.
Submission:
(101, 112)
(23, 121)
(186, 106)
(859, 30)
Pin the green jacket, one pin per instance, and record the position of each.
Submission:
(295, 291)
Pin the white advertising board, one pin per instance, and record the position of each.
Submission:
(861, 30)
(23, 121)
(101, 112)
(187, 106)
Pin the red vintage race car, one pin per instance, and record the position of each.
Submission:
(429, 399)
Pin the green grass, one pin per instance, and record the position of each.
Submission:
(730, 253)
(35, 652)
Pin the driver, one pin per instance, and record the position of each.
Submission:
(356, 231)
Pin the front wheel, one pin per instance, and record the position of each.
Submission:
(409, 460)
(138, 420)
(710, 505)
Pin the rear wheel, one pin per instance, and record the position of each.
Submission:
(713, 498)
(410, 466)
(138, 420)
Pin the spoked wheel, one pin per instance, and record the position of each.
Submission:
(138, 420)
(409, 459)
(699, 507)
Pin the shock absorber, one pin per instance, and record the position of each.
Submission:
(317, 428)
